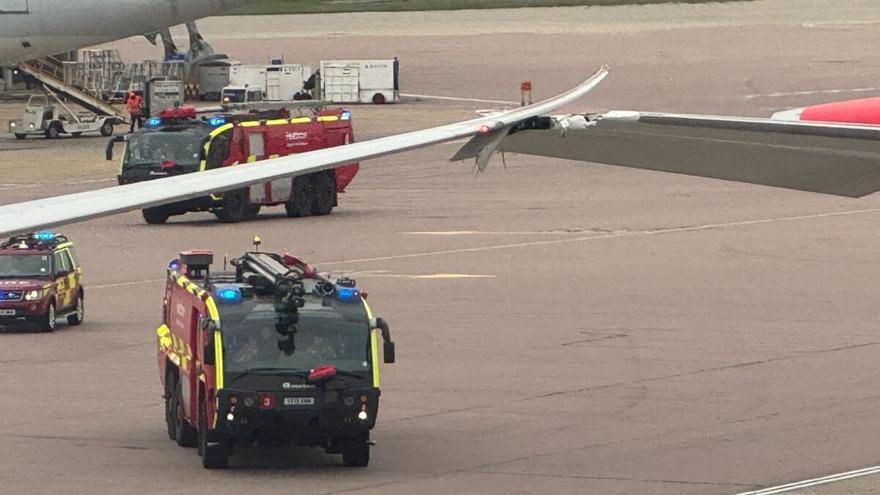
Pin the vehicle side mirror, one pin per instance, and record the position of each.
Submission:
(388, 352)
(113, 141)
(388, 346)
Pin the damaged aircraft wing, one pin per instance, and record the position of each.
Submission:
(829, 158)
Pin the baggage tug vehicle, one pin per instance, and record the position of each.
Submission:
(271, 353)
(177, 141)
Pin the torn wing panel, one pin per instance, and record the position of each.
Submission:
(838, 159)
(482, 147)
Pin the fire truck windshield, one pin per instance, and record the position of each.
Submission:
(25, 265)
(151, 149)
(323, 336)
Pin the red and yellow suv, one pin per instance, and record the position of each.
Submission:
(40, 281)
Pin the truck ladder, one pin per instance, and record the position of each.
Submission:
(45, 71)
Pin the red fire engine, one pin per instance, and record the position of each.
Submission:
(271, 353)
(177, 141)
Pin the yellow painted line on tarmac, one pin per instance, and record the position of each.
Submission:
(124, 284)
(434, 276)
(457, 98)
(490, 232)
(428, 276)
(593, 237)
(617, 234)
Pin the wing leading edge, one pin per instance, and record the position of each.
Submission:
(829, 158)
(59, 210)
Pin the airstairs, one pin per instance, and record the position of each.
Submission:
(50, 72)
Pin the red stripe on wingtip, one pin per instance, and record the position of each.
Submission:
(864, 111)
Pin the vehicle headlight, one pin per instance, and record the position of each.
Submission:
(12, 124)
(33, 295)
(31, 126)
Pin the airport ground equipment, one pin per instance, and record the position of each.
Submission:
(285, 81)
(40, 281)
(161, 93)
(360, 81)
(271, 353)
(277, 82)
(241, 94)
(177, 142)
(213, 76)
(48, 116)
(50, 72)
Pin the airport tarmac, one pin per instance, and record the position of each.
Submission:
(560, 327)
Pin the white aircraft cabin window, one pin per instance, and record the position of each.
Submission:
(13, 6)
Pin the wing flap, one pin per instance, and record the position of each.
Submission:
(838, 159)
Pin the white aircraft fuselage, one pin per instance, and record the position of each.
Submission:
(36, 28)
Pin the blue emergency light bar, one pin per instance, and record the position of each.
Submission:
(44, 236)
(228, 295)
(347, 294)
(216, 121)
(346, 115)
(154, 122)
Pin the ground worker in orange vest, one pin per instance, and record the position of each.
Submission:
(133, 104)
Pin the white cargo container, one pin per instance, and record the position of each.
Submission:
(360, 81)
(163, 93)
(285, 81)
(250, 76)
(213, 77)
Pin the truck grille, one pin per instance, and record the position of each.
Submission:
(11, 295)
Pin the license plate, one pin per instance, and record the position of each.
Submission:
(299, 401)
(7, 312)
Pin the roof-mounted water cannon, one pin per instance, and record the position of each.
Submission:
(288, 300)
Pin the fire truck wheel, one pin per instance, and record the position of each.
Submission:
(53, 131)
(300, 204)
(19, 136)
(155, 216)
(77, 317)
(324, 184)
(107, 128)
(185, 434)
(356, 453)
(251, 211)
(216, 455)
(378, 99)
(235, 207)
(48, 320)
(171, 403)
